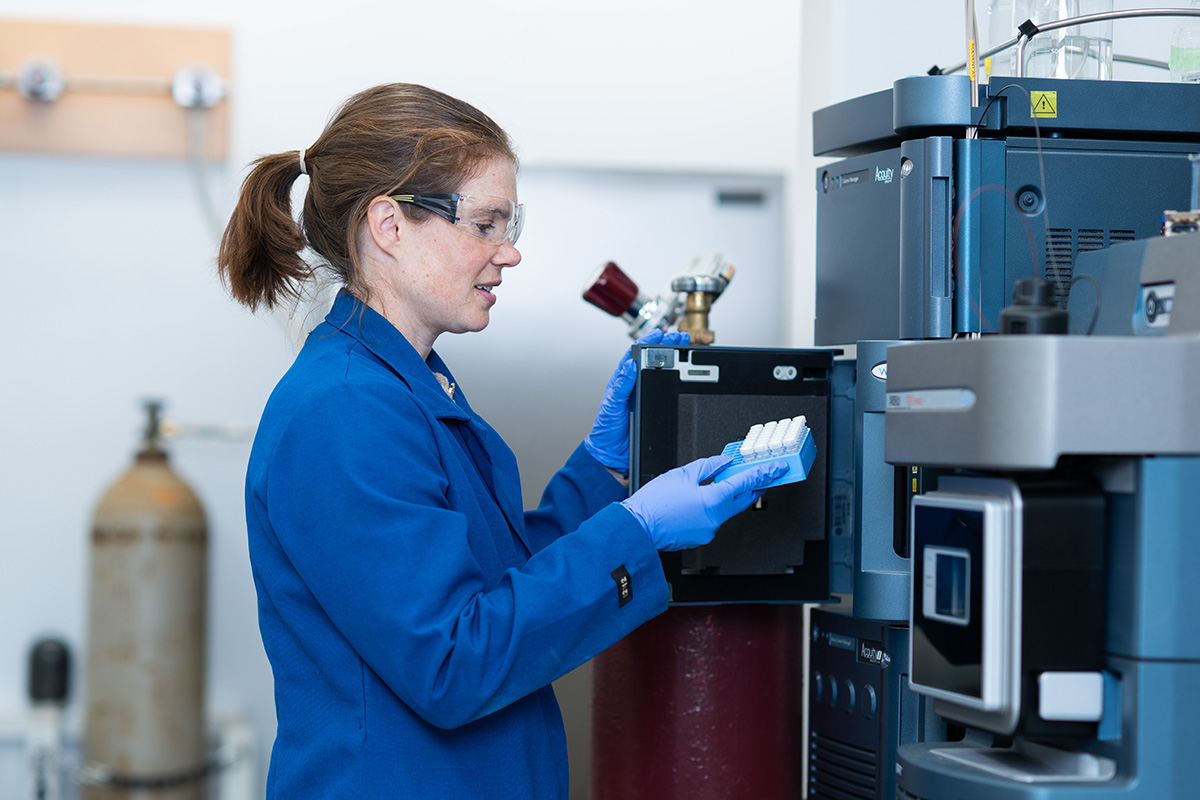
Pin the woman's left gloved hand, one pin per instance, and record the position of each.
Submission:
(609, 440)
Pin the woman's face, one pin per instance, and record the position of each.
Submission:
(441, 278)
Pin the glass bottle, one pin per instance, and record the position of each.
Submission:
(1001, 26)
(1078, 51)
(1185, 50)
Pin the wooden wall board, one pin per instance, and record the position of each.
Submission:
(112, 103)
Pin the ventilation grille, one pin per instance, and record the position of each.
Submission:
(1063, 245)
(1060, 255)
(1090, 239)
(840, 771)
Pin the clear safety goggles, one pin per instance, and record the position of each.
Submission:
(493, 219)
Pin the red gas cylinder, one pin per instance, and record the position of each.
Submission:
(145, 725)
(701, 702)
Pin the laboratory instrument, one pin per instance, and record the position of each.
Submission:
(860, 705)
(1057, 168)
(688, 402)
(1063, 181)
(1052, 605)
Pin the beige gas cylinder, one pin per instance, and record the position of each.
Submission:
(145, 725)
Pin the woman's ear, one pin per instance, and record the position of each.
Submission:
(385, 223)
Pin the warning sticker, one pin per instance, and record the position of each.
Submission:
(1043, 104)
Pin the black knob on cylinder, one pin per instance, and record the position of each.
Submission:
(49, 671)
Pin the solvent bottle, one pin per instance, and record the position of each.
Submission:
(1001, 26)
(1185, 50)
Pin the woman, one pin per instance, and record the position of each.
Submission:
(413, 614)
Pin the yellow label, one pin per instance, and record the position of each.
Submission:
(1043, 104)
(971, 58)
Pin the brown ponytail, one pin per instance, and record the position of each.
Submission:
(259, 259)
(385, 140)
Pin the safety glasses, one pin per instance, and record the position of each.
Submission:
(494, 219)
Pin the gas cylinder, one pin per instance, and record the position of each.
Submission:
(700, 703)
(145, 726)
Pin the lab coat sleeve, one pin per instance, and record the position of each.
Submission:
(358, 497)
(577, 491)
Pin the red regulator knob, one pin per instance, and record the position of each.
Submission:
(611, 290)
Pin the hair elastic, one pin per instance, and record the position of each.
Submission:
(303, 168)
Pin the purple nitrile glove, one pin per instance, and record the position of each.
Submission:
(679, 513)
(609, 440)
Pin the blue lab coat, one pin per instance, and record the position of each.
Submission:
(414, 615)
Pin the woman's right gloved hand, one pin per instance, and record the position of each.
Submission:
(679, 513)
